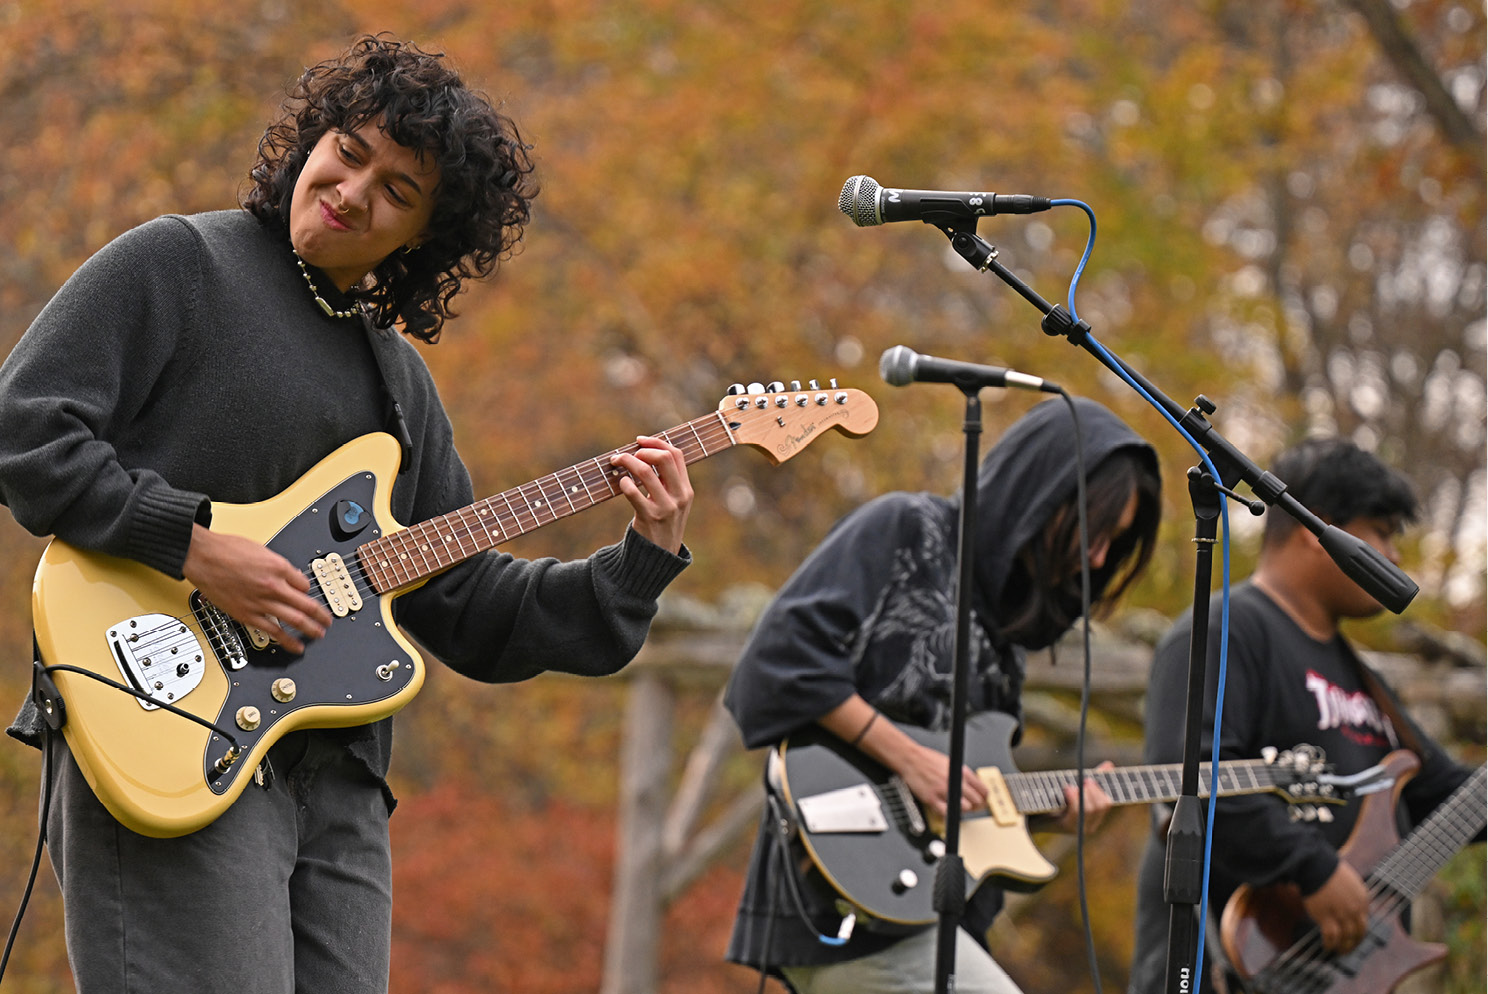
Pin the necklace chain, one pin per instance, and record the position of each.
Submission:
(351, 312)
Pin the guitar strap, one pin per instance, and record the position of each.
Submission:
(1405, 731)
(392, 411)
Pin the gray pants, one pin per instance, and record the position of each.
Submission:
(906, 967)
(288, 892)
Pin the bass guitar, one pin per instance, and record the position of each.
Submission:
(169, 705)
(877, 847)
(1274, 946)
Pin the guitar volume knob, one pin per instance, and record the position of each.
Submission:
(248, 718)
(934, 850)
(906, 880)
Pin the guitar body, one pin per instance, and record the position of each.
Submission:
(889, 872)
(1262, 926)
(155, 771)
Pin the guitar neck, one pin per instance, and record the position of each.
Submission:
(413, 554)
(1043, 792)
(1454, 823)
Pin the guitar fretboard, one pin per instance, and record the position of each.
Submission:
(1455, 822)
(415, 553)
(1043, 792)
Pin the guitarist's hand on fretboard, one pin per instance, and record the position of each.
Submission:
(659, 490)
(1097, 804)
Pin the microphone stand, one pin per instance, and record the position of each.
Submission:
(950, 872)
(1361, 562)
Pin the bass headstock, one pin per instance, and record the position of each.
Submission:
(782, 422)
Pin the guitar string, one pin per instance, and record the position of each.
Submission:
(694, 443)
(1442, 836)
(1044, 790)
(698, 435)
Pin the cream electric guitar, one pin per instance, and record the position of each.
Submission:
(877, 847)
(169, 705)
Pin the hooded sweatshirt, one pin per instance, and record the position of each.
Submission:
(872, 611)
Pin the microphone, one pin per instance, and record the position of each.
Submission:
(869, 204)
(902, 365)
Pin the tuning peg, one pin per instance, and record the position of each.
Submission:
(1269, 754)
(815, 385)
(795, 386)
(1324, 814)
(757, 388)
(735, 389)
(775, 386)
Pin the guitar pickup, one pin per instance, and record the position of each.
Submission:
(341, 594)
(847, 809)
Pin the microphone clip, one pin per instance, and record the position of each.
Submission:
(1058, 322)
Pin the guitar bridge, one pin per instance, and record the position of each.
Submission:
(221, 632)
(159, 656)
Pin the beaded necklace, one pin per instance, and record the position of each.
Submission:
(351, 312)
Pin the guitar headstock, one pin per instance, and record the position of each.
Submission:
(1304, 778)
(782, 422)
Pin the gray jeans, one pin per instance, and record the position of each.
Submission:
(288, 892)
(906, 967)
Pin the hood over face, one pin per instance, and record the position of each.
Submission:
(1027, 476)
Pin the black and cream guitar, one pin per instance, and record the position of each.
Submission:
(99, 618)
(877, 847)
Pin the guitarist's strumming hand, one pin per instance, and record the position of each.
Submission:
(1341, 909)
(659, 490)
(922, 768)
(255, 586)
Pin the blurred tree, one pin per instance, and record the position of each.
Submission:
(1291, 210)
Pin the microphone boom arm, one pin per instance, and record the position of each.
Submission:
(1359, 560)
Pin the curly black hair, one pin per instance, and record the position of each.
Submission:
(486, 186)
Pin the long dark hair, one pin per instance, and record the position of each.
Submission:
(486, 184)
(1043, 595)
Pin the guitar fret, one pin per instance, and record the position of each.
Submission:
(1407, 869)
(701, 444)
(548, 486)
(610, 475)
(535, 507)
(486, 513)
(514, 517)
(567, 490)
(588, 495)
(422, 547)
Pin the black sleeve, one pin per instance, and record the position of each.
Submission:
(499, 619)
(84, 369)
(798, 663)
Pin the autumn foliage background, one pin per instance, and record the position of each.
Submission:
(1291, 222)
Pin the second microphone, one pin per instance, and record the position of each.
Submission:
(901, 365)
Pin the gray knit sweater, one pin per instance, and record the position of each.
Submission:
(187, 362)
